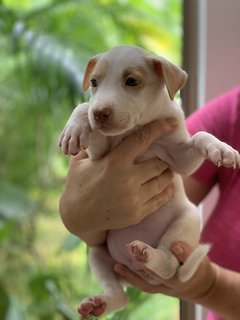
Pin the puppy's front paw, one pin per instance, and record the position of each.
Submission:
(223, 155)
(74, 138)
(218, 152)
(75, 135)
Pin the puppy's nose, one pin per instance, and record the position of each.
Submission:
(101, 115)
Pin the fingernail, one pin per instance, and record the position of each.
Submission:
(173, 122)
(178, 250)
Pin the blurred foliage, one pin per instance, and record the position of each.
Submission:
(44, 46)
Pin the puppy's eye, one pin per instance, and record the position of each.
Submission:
(131, 82)
(94, 83)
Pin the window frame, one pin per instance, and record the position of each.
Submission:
(193, 95)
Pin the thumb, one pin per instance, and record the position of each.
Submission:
(80, 156)
(138, 142)
(181, 251)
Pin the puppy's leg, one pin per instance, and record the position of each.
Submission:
(160, 260)
(113, 296)
(153, 261)
(187, 270)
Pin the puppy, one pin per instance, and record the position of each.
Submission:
(130, 88)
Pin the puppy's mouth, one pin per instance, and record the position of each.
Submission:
(113, 125)
(110, 129)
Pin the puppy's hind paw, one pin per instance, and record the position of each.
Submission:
(91, 307)
(140, 251)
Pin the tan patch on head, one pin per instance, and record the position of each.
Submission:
(138, 73)
(100, 70)
(95, 63)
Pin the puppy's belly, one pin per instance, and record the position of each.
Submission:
(150, 230)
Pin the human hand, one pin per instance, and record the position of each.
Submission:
(114, 191)
(195, 290)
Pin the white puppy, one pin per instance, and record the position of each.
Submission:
(130, 88)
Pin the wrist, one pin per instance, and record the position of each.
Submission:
(207, 284)
(222, 293)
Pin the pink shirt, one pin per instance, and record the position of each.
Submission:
(221, 117)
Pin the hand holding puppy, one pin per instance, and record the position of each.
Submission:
(144, 193)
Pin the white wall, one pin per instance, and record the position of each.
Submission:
(222, 58)
(211, 57)
(222, 47)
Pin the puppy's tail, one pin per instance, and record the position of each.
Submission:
(187, 270)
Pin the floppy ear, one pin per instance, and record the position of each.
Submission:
(173, 76)
(89, 69)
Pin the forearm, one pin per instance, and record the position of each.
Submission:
(223, 296)
(212, 286)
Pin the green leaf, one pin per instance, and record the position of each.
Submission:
(6, 229)
(70, 243)
(16, 310)
(38, 285)
(4, 302)
(14, 204)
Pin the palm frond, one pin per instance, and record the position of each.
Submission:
(48, 56)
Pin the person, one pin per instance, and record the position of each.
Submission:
(216, 284)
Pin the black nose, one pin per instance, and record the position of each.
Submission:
(101, 115)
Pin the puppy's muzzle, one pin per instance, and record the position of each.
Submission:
(101, 116)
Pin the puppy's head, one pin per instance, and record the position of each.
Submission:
(129, 86)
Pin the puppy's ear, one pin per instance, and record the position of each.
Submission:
(89, 69)
(173, 76)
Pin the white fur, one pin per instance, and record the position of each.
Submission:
(115, 110)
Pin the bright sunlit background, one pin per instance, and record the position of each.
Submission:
(44, 46)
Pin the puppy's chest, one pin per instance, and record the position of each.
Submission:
(100, 144)
(99, 148)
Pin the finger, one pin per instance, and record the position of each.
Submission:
(138, 282)
(157, 201)
(150, 169)
(73, 146)
(156, 185)
(131, 277)
(80, 156)
(181, 251)
(138, 142)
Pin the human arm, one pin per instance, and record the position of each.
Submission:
(211, 286)
(99, 195)
(195, 190)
